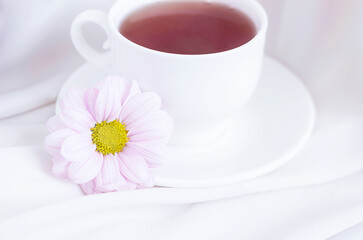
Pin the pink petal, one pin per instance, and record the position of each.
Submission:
(153, 132)
(110, 179)
(158, 118)
(100, 84)
(78, 120)
(141, 106)
(53, 141)
(134, 168)
(153, 155)
(55, 123)
(127, 88)
(88, 187)
(156, 137)
(108, 103)
(132, 185)
(73, 99)
(60, 167)
(84, 171)
(157, 132)
(90, 101)
(134, 89)
(78, 147)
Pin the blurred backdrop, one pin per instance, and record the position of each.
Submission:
(321, 40)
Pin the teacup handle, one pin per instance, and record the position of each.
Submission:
(80, 43)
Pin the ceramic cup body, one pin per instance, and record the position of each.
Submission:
(201, 92)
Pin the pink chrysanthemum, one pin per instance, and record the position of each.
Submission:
(106, 138)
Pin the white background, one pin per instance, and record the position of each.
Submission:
(316, 196)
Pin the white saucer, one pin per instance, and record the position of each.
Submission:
(270, 130)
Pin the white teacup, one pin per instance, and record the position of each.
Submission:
(201, 92)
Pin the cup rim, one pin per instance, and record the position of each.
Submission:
(260, 33)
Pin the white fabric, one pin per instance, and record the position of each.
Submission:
(316, 196)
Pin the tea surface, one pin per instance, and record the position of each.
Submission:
(188, 27)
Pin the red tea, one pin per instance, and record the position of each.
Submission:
(188, 27)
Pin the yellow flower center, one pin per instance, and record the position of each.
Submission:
(109, 137)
